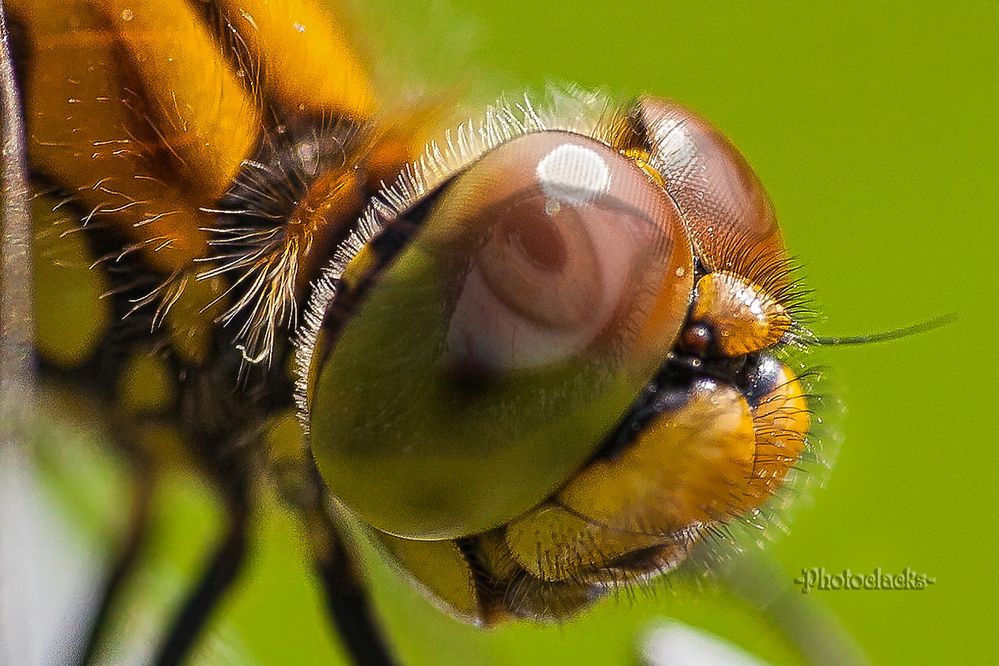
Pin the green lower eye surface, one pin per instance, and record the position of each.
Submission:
(451, 402)
(463, 454)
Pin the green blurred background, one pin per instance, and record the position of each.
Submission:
(872, 128)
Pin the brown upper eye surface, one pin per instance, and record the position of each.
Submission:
(728, 215)
(563, 246)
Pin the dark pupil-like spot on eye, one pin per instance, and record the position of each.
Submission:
(536, 237)
(541, 265)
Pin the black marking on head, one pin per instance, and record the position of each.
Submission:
(386, 246)
(759, 378)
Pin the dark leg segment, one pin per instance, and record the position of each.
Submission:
(347, 598)
(811, 629)
(222, 569)
(138, 529)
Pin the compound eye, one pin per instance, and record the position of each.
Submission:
(727, 213)
(742, 305)
(538, 293)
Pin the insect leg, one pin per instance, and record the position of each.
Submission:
(347, 599)
(127, 557)
(220, 572)
(809, 627)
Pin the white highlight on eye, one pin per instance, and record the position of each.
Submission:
(573, 175)
(674, 146)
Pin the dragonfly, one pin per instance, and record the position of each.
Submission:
(535, 357)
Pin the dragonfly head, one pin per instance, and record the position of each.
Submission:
(548, 364)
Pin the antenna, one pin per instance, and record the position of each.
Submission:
(884, 336)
